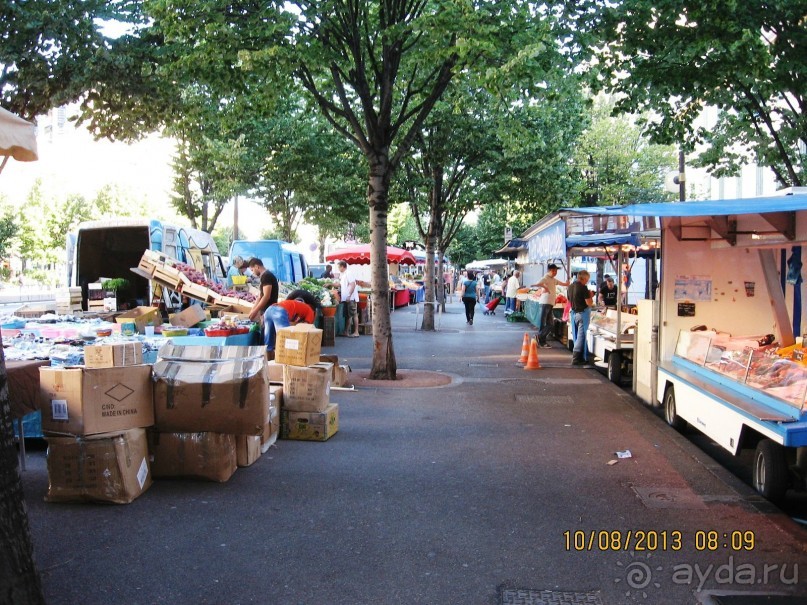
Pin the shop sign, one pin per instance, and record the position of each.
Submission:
(548, 244)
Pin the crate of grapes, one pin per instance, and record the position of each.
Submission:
(196, 291)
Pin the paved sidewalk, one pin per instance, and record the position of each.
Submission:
(462, 494)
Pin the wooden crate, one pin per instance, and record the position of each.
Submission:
(366, 329)
(196, 291)
(168, 277)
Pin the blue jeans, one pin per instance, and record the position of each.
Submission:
(510, 305)
(547, 322)
(273, 318)
(580, 320)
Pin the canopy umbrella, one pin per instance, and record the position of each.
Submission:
(17, 139)
(360, 255)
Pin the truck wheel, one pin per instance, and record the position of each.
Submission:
(770, 470)
(672, 418)
(615, 367)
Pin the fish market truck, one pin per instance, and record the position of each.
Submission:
(109, 249)
(724, 347)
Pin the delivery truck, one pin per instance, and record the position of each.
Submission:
(281, 258)
(108, 249)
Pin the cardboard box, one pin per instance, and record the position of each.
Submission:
(310, 426)
(177, 352)
(340, 376)
(275, 370)
(110, 467)
(86, 401)
(141, 316)
(271, 429)
(189, 317)
(298, 345)
(199, 455)
(340, 372)
(208, 388)
(307, 389)
(113, 355)
(248, 449)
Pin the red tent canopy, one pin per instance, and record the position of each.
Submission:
(360, 255)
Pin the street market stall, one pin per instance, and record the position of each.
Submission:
(722, 349)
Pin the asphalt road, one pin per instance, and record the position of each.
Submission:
(499, 488)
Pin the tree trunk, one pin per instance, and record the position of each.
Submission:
(322, 239)
(384, 366)
(441, 282)
(19, 579)
(428, 279)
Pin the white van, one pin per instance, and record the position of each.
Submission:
(110, 248)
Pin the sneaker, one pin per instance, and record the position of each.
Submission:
(471, 322)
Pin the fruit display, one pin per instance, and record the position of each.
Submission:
(194, 276)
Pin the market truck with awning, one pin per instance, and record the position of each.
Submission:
(108, 249)
(722, 347)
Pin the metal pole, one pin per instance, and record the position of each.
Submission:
(682, 179)
(235, 219)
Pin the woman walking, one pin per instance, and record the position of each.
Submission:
(470, 296)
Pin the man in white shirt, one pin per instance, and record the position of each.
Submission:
(513, 284)
(349, 294)
(549, 284)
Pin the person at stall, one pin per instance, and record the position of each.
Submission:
(299, 307)
(607, 294)
(328, 273)
(238, 268)
(349, 294)
(470, 296)
(581, 299)
(268, 285)
(511, 289)
(549, 284)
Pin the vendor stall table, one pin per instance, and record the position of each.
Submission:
(23, 394)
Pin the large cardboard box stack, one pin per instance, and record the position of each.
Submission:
(307, 413)
(298, 345)
(109, 467)
(271, 430)
(212, 389)
(94, 421)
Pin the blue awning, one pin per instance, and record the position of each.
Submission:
(602, 240)
(757, 205)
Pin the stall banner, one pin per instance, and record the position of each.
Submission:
(548, 244)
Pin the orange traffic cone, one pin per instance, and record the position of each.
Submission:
(532, 360)
(525, 349)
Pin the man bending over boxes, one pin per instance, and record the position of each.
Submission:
(299, 307)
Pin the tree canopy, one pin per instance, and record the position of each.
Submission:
(746, 59)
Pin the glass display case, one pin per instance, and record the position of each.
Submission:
(606, 322)
(760, 368)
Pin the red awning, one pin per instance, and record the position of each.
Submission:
(360, 255)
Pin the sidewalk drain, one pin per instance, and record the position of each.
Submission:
(483, 365)
(669, 497)
(521, 596)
